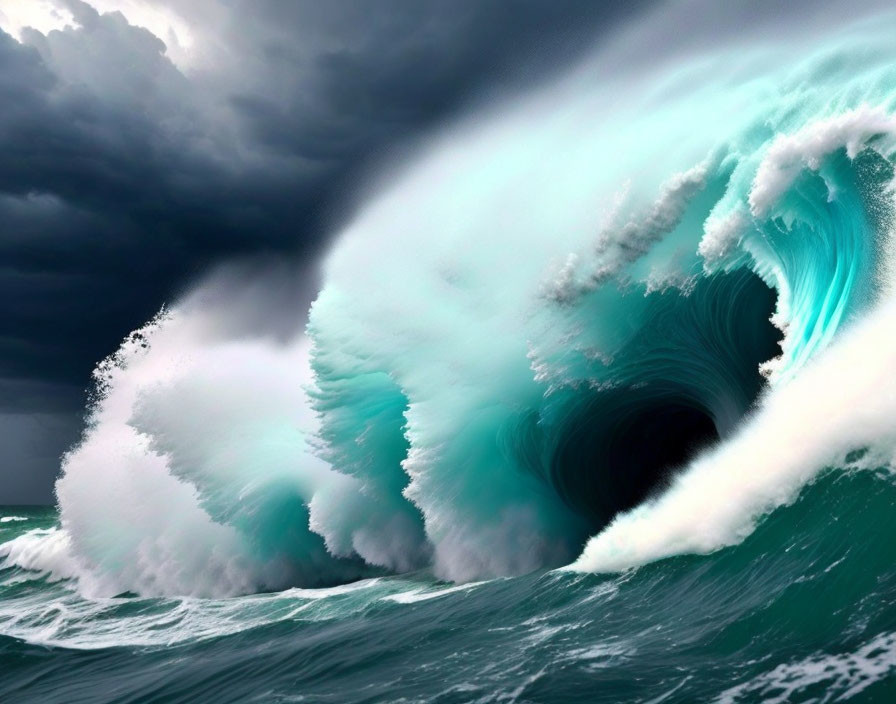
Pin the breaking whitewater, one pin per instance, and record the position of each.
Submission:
(596, 402)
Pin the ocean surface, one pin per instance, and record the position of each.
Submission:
(801, 611)
(596, 402)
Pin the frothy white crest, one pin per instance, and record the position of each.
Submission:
(189, 425)
(620, 245)
(47, 551)
(198, 472)
(57, 616)
(845, 400)
(791, 153)
(721, 235)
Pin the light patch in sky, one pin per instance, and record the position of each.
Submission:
(48, 15)
(42, 15)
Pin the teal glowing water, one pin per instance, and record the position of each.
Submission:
(800, 611)
(595, 404)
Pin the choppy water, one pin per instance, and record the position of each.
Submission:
(801, 611)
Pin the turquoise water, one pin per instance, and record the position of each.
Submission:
(802, 611)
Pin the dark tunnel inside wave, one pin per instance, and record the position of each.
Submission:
(619, 448)
(683, 382)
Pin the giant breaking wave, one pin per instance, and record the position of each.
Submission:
(616, 320)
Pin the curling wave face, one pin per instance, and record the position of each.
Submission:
(617, 320)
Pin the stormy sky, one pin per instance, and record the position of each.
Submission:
(144, 142)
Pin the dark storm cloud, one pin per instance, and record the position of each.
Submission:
(123, 177)
(32, 444)
(362, 75)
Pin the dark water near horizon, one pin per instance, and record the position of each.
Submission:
(801, 611)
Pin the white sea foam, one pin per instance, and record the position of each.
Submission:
(844, 675)
(186, 428)
(59, 615)
(415, 595)
(791, 153)
(46, 551)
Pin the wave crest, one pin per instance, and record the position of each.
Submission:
(556, 314)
